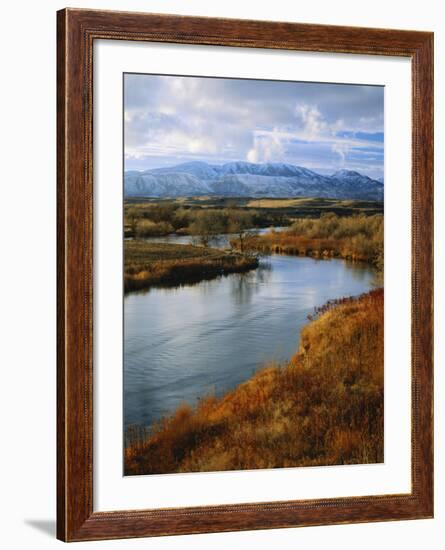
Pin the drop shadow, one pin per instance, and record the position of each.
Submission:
(46, 526)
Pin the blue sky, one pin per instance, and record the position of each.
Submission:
(323, 127)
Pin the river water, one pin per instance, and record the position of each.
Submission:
(183, 343)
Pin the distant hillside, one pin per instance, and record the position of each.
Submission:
(245, 179)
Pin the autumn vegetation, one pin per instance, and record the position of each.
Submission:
(356, 238)
(324, 407)
(148, 219)
(159, 217)
(149, 263)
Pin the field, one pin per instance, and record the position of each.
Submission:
(147, 263)
(309, 207)
(324, 407)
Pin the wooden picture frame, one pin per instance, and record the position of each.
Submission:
(77, 31)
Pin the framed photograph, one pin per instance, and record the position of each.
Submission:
(245, 229)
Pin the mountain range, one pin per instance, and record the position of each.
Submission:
(246, 179)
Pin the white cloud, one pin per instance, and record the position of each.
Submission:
(218, 120)
(341, 149)
(313, 124)
(267, 147)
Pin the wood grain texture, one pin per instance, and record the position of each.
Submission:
(76, 31)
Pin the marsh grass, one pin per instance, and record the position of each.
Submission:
(147, 263)
(357, 238)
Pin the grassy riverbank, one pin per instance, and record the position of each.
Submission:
(357, 238)
(324, 407)
(147, 264)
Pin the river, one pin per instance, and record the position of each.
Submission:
(183, 343)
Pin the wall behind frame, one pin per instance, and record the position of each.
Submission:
(28, 279)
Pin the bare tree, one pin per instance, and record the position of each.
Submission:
(206, 227)
(240, 222)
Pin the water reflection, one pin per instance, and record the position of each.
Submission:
(245, 285)
(220, 241)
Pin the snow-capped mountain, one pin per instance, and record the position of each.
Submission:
(249, 179)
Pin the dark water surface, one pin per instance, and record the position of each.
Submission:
(182, 343)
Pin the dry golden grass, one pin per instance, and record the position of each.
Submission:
(147, 263)
(277, 203)
(325, 407)
(357, 238)
(297, 207)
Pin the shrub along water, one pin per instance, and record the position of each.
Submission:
(358, 238)
(324, 407)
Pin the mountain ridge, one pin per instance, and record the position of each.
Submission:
(242, 178)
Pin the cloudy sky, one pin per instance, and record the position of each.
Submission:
(323, 127)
